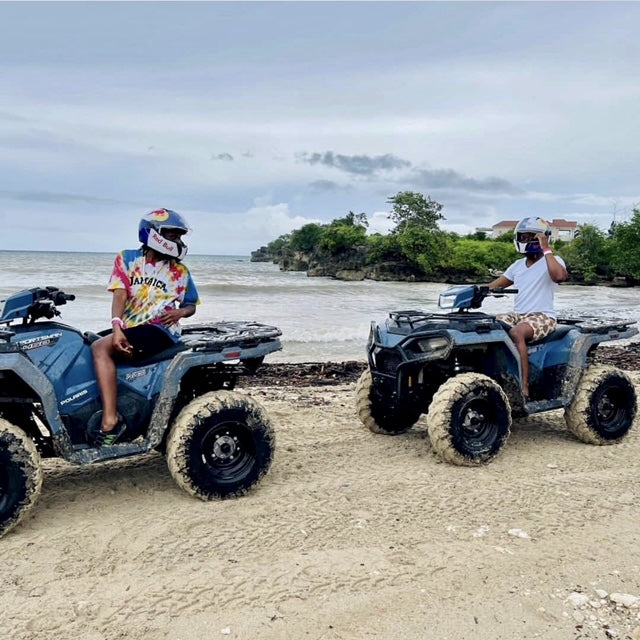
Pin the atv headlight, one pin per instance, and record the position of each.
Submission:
(447, 300)
(433, 347)
(429, 345)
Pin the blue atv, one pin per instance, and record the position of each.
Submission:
(218, 442)
(461, 369)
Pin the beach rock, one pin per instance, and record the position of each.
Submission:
(625, 600)
(578, 600)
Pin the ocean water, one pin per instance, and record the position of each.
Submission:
(321, 319)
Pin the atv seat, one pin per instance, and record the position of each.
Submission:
(167, 354)
(558, 333)
(89, 337)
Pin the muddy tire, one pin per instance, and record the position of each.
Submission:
(220, 445)
(469, 419)
(604, 407)
(20, 475)
(376, 418)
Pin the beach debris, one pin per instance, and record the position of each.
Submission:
(578, 600)
(625, 600)
(519, 533)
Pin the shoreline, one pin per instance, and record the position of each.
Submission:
(343, 372)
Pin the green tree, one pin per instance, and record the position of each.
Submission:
(625, 247)
(275, 247)
(429, 249)
(384, 248)
(478, 257)
(354, 219)
(587, 255)
(338, 237)
(306, 238)
(477, 235)
(413, 209)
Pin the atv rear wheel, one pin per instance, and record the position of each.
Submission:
(220, 445)
(377, 418)
(469, 419)
(20, 475)
(604, 406)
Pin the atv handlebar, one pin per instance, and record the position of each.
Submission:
(497, 293)
(483, 291)
(29, 305)
(61, 298)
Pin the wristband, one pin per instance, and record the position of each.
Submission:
(546, 252)
(117, 321)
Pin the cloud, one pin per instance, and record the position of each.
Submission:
(328, 185)
(450, 179)
(241, 232)
(356, 164)
(59, 198)
(379, 222)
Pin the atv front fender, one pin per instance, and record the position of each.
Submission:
(19, 365)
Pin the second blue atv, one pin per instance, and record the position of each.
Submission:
(462, 370)
(218, 442)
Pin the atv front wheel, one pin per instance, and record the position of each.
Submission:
(469, 419)
(375, 416)
(20, 475)
(604, 406)
(220, 445)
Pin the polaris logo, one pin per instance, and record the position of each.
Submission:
(75, 396)
(40, 341)
(140, 373)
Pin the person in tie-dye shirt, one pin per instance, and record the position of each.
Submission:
(152, 290)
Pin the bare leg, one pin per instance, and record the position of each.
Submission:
(105, 369)
(521, 334)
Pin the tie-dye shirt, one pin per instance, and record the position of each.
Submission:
(152, 288)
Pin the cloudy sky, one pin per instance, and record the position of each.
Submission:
(254, 118)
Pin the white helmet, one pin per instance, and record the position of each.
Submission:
(530, 225)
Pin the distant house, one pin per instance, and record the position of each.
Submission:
(561, 229)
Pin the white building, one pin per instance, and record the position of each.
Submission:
(561, 229)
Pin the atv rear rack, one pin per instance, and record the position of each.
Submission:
(594, 324)
(214, 336)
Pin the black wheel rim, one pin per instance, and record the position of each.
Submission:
(611, 405)
(228, 451)
(476, 429)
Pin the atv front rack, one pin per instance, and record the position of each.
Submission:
(411, 317)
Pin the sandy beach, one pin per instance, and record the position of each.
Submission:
(350, 536)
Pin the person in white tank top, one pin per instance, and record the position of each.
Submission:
(536, 277)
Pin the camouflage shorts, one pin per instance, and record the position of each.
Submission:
(541, 323)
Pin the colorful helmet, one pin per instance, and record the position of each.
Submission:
(530, 225)
(150, 232)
